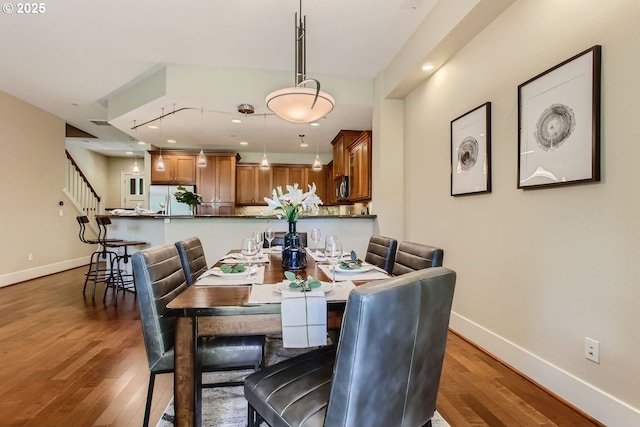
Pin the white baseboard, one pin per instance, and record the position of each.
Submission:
(33, 273)
(589, 399)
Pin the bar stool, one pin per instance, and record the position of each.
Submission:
(94, 272)
(118, 280)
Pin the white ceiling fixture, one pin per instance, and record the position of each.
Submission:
(300, 104)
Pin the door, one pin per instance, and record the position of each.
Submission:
(132, 191)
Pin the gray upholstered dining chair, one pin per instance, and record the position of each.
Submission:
(278, 240)
(159, 278)
(415, 256)
(381, 252)
(192, 257)
(386, 368)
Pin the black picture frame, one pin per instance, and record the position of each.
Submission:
(559, 124)
(471, 152)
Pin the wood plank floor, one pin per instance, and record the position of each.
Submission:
(66, 360)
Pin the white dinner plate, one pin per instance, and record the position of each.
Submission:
(362, 269)
(217, 272)
(324, 287)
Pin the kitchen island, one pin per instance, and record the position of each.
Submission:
(220, 233)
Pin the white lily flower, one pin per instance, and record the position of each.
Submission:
(293, 203)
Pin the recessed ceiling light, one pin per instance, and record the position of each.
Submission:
(236, 121)
(129, 152)
(152, 127)
(427, 67)
(142, 143)
(244, 143)
(171, 141)
(314, 124)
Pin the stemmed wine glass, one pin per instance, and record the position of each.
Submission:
(333, 252)
(249, 250)
(315, 238)
(269, 234)
(259, 238)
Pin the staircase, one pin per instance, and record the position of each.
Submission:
(81, 193)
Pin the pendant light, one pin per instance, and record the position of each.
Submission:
(264, 164)
(160, 162)
(135, 169)
(317, 164)
(202, 159)
(300, 104)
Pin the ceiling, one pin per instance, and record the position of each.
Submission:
(123, 63)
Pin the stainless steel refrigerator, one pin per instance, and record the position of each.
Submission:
(162, 199)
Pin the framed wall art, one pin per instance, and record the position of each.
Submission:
(559, 124)
(471, 152)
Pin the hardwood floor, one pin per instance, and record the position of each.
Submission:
(66, 360)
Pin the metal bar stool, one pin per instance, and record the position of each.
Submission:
(94, 272)
(118, 280)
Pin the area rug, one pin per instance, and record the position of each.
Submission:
(227, 407)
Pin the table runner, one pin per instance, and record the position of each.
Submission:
(208, 279)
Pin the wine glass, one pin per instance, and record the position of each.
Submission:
(259, 238)
(315, 238)
(249, 249)
(269, 234)
(333, 252)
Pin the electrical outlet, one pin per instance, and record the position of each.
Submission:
(592, 350)
(30, 257)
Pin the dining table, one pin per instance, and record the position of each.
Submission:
(210, 310)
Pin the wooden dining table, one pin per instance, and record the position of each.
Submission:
(221, 311)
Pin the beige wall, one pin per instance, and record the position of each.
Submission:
(538, 271)
(32, 170)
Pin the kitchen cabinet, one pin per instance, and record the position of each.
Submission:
(359, 155)
(343, 139)
(284, 175)
(179, 169)
(329, 183)
(320, 179)
(216, 183)
(253, 184)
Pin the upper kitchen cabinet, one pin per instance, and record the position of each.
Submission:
(340, 155)
(359, 155)
(216, 182)
(179, 169)
(303, 175)
(284, 175)
(253, 184)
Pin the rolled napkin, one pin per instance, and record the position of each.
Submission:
(304, 319)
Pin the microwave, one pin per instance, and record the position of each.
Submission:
(342, 188)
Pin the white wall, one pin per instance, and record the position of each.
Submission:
(32, 175)
(538, 271)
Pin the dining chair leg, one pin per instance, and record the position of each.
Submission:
(147, 408)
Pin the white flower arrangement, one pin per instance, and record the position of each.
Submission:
(294, 203)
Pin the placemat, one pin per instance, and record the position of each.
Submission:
(373, 274)
(208, 279)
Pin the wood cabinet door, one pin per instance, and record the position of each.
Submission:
(225, 179)
(320, 179)
(360, 168)
(184, 169)
(264, 185)
(338, 156)
(246, 181)
(161, 177)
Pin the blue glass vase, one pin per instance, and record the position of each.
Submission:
(294, 256)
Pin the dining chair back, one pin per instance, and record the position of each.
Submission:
(415, 256)
(159, 279)
(381, 252)
(278, 240)
(192, 257)
(386, 368)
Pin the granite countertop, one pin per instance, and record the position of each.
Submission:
(156, 216)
